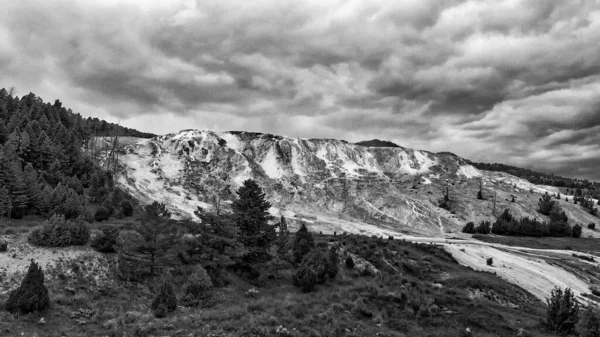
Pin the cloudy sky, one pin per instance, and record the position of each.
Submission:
(516, 82)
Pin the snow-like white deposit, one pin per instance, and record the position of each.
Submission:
(271, 166)
(469, 171)
(532, 274)
(233, 142)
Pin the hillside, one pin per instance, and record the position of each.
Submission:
(331, 185)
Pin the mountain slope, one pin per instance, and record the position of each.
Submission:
(332, 185)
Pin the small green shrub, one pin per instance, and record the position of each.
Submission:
(589, 324)
(32, 295)
(127, 208)
(313, 270)
(197, 289)
(591, 226)
(59, 232)
(101, 214)
(349, 262)
(106, 241)
(576, 232)
(3, 246)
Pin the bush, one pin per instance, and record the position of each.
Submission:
(592, 226)
(562, 314)
(303, 243)
(3, 246)
(165, 301)
(589, 324)
(469, 228)
(101, 214)
(59, 232)
(32, 295)
(489, 261)
(127, 208)
(334, 261)
(484, 227)
(313, 270)
(106, 241)
(349, 262)
(576, 231)
(196, 291)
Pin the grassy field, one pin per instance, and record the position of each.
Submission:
(396, 289)
(586, 245)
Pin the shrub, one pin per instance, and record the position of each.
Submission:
(303, 243)
(484, 227)
(165, 301)
(489, 261)
(106, 241)
(576, 232)
(196, 291)
(127, 208)
(589, 323)
(3, 246)
(101, 214)
(32, 295)
(592, 226)
(313, 270)
(349, 262)
(563, 311)
(469, 228)
(59, 232)
(334, 261)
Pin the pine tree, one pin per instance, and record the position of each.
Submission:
(32, 295)
(251, 213)
(562, 314)
(4, 201)
(334, 261)
(156, 236)
(303, 243)
(165, 301)
(283, 237)
(32, 188)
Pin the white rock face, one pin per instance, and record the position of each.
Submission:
(335, 185)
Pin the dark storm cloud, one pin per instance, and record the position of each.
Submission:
(509, 81)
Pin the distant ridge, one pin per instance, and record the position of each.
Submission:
(377, 143)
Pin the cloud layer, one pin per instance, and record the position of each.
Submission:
(498, 81)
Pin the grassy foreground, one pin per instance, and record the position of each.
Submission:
(395, 289)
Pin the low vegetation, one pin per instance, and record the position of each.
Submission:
(222, 284)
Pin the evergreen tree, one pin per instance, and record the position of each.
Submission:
(303, 243)
(545, 204)
(32, 187)
(214, 243)
(251, 213)
(32, 295)
(562, 314)
(4, 201)
(155, 238)
(165, 301)
(283, 237)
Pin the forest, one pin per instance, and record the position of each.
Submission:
(49, 164)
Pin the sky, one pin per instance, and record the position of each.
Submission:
(516, 82)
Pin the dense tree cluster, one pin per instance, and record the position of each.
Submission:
(540, 178)
(47, 164)
(506, 224)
